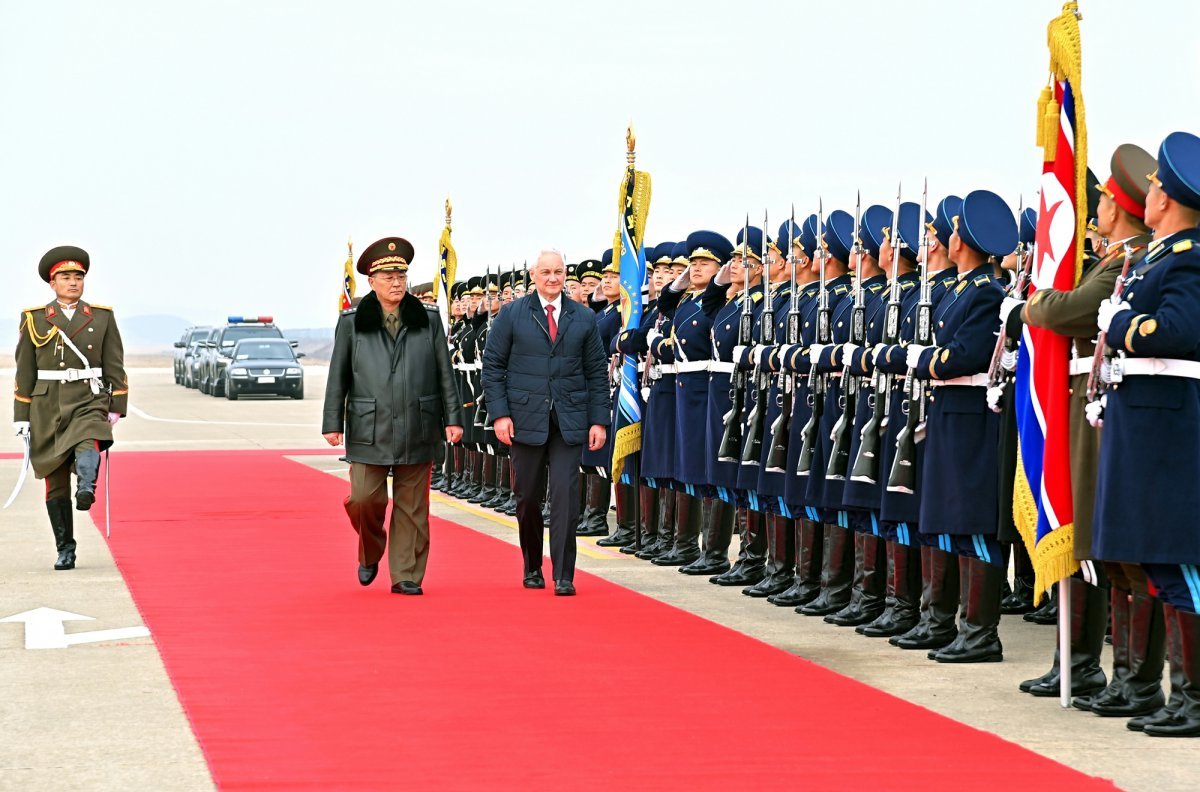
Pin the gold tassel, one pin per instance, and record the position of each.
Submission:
(1050, 130)
(1043, 99)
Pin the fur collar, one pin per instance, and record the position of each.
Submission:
(368, 318)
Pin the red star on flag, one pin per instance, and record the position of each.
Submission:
(1045, 218)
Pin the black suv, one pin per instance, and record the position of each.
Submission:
(192, 355)
(183, 347)
(217, 350)
(264, 366)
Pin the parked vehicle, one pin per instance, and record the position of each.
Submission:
(191, 358)
(261, 366)
(217, 350)
(184, 345)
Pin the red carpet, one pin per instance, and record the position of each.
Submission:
(243, 566)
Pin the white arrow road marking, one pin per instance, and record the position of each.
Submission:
(44, 629)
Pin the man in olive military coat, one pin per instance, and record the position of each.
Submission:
(390, 392)
(70, 390)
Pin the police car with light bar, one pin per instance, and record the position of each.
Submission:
(218, 350)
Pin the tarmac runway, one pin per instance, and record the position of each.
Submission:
(101, 713)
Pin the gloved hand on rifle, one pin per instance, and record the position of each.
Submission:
(1095, 411)
(994, 394)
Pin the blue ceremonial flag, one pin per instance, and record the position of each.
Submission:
(627, 248)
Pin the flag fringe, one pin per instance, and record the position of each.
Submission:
(628, 440)
(1054, 559)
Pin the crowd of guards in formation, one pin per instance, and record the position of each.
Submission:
(840, 396)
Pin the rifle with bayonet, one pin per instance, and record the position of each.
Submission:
(730, 448)
(843, 430)
(777, 455)
(752, 450)
(482, 419)
(816, 381)
(997, 375)
(903, 475)
(866, 466)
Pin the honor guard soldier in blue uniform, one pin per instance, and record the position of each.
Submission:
(468, 364)
(687, 342)
(657, 460)
(69, 391)
(790, 360)
(1151, 419)
(487, 443)
(734, 292)
(837, 563)
(867, 590)
(935, 626)
(763, 361)
(899, 248)
(960, 497)
(595, 490)
(455, 457)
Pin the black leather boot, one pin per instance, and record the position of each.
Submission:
(781, 558)
(1047, 611)
(1020, 600)
(487, 480)
(499, 484)
(622, 534)
(1175, 697)
(806, 577)
(1182, 720)
(463, 490)
(978, 639)
(941, 586)
(904, 585)
(1089, 615)
(594, 521)
(664, 526)
(1137, 689)
(716, 528)
(87, 470)
(752, 555)
(62, 523)
(837, 573)
(456, 472)
(647, 515)
(685, 547)
(740, 523)
(870, 601)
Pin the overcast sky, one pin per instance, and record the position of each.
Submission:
(213, 157)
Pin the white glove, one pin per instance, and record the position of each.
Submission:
(683, 281)
(848, 350)
(1108, 309)
(739, 352)
(724, 275)
(814, 353)
(651, 337)
(113, 418)
(21, 428)
(1007, 306)
(1008, 360)
(1095, 411)
(877, 353)
(913, 357)
(993, 397)
(759, 355)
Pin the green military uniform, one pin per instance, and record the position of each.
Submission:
(67, 397)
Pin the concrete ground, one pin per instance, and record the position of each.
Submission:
(104, 715)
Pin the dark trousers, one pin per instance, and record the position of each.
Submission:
(552, 467)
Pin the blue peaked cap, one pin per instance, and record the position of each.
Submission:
(986, 224)
(1179, 168)
(874, 221)
(709, 245)
(839, 235)
(943, 225)
(910, 229)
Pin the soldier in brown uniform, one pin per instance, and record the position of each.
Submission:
(70, 390)
(1072, 313)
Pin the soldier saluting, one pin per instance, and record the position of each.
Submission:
(70, 390)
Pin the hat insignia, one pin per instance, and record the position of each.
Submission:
(391, 245)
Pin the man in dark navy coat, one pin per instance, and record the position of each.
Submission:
(544, 377)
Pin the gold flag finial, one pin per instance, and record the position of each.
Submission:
(630, 142)
(449, 210)
(350, 246)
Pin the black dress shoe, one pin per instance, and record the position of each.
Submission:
(406, 587)
(534, 580)
(564, 588)
(367, 573)
(66, 560)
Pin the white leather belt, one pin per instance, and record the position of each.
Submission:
(668, 368)
(721, 367)
(1154, 367)
(71, 375)
(1081, 366)
(689, 366)
(973, 381)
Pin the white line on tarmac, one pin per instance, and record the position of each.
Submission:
(147, 416)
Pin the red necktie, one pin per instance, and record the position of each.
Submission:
(550, 321)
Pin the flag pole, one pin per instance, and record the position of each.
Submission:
(1064, 643)
(634, 466)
